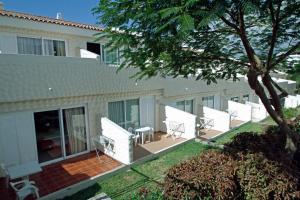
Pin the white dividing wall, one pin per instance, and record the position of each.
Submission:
(258, 111)
(168, 113)
(147, 111)
(221, 119)
(291, 101)
(17, 138)
(123, 149)
(87, 54)
(243, 111)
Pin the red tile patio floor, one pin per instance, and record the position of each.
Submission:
(66, 173)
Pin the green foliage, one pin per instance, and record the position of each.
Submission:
(192, 37)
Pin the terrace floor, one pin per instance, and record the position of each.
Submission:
(66, 173)
(206, 134)
(151, 147)
(235, 123)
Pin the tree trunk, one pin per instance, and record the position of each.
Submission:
(291, 139)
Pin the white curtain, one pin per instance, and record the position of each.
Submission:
(29, 45)
(48, 48)
(54, 48)
(59, 48)
(75, 129)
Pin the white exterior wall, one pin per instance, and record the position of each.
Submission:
(243, 111)
(168, 113)
(258, 111)
(17, 138)
(221, 120)
(123, 147)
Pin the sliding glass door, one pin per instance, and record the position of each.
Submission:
(48, 135)
(74, 130)
(125, 113)
(60, 133)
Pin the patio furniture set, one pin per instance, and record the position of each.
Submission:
(141, 133)
(24, 186)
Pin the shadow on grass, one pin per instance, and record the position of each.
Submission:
(86, 194)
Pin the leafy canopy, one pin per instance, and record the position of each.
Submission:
(200, 37)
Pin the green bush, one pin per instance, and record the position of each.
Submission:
(209, 176)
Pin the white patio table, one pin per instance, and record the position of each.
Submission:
(143, 130)
(23, 170)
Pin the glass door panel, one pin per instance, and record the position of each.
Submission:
(132, 113)
(74, 130)
(48, 135)
(180, 105)
(116, 112)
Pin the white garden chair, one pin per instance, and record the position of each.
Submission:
(24, 188)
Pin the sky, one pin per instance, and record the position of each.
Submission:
(72, 10)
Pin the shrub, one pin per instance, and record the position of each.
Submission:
(209, 176)
(261, 178)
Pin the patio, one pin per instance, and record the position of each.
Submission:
(66, 173)
(235, 123)
(206, 134)
(151, 147)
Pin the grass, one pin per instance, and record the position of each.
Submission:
(149, 174)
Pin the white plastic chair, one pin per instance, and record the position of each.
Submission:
(151, 133)
(24, 188)
(4, 173)
(136, 135)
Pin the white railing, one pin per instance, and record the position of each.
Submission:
(258, 111)
(221, 120)
(186, 121)
(123, 149)
(243, 111)
(87, 54)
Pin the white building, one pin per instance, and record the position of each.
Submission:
(57, 85)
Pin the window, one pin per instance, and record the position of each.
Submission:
(110, 57)
(54, 48)
(37, 46)
(31, 46)
(236, 99)
(246, 97)
(208, 101)
(125, 113)
(185, 105)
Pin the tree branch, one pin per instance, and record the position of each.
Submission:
(284, 56)
(232, 25)
(275, 24)
(245, 41)
(283, 92)
(267, 81)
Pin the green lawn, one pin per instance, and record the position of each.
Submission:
(124, 184)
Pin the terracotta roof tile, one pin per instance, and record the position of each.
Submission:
(48, 20)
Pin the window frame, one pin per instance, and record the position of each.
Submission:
(43, 38)
(125, 111)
